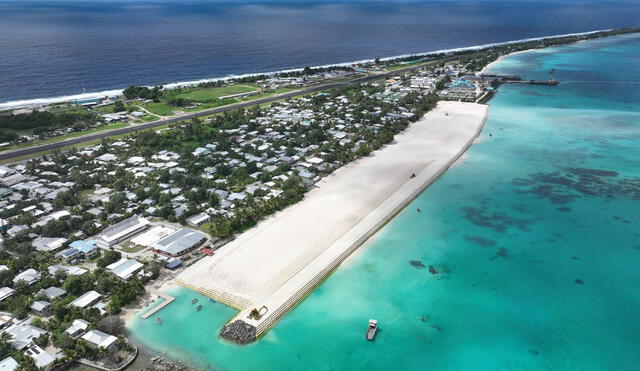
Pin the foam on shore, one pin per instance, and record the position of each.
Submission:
(278, 262)
(38, 102)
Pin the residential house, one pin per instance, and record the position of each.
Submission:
(30, 276)
(41, 308)
(86, 299)
(78, 328)
(99, 339)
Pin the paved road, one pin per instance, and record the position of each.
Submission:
(105, 134)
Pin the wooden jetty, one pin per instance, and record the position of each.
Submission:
(167, 300)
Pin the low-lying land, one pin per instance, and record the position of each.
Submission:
(276, 263)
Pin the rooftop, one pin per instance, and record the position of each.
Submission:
(125, 268)
(86, 299)
(99, 338)
(179, 242)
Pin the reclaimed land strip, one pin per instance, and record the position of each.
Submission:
(269, 268)
(17, 153)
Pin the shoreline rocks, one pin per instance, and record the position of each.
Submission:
(239, 332)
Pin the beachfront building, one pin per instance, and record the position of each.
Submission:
(179, 243)
(125, 268)
(461, 89)
(122, 231)
(100, 340)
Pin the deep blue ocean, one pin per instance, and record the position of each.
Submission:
(57, 48)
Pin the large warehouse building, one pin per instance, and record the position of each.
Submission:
(179, 243)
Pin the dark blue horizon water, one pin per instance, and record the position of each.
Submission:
(58, 48)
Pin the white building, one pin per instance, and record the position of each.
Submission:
(88, 298)
(99, 339)
(121, 231)
(125, 268)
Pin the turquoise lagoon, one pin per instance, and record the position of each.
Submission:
(534, 236)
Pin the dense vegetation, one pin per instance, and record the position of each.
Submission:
(142, 92)
(44, 121)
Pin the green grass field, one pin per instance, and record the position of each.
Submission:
(208, 98)
(208, 95)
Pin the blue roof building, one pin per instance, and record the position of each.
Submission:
(85, 247)
(461, 84)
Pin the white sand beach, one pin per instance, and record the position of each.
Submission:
(500, 58)
(281, 259)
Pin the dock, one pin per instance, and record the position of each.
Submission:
(167, 300)
(515, 79)
(534, 82)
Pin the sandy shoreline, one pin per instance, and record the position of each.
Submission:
(500, 58)
(277, 262)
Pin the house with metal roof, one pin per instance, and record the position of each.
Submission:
(125, 268)
(70, 270)
(41, 308)
(78, 328)
(48, 243)
(198, 219)
(30, 276)
(8, 364)
(6, 292)
(23, 333)
(41, 358)
(53, 292)
(99, 339)
(86, 299)
(179, 243)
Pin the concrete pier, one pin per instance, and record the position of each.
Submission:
(167, 300)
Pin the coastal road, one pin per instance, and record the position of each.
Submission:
(12, 154)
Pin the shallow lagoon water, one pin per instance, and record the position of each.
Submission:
(533, 235)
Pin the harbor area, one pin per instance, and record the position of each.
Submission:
(268, 269)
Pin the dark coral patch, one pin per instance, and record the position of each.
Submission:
(484, 242)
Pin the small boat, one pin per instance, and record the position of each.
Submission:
(212, 300)
(158, 320)
(194, 301)
(371, 330)
(198, 308)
